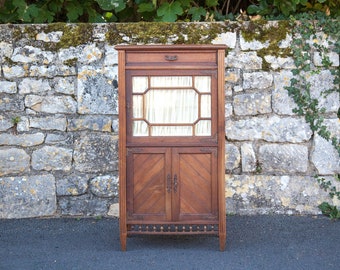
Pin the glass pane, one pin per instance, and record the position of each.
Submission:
(171, 106)
(203, 84)
(171, 81)
(139, 128)
(139, 84)
(205, 106)
(137, 106)
(171, 131)
(203, 128)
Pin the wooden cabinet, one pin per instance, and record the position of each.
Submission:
(171, 144)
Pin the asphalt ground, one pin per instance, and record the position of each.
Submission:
(253, 242)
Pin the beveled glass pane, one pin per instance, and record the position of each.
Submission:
(171, 131)
(140, 128)
(203, 84)
(205, 106)
(137, 106)
(171, 81)
(203, 128)
(171, 106)
(139, 84)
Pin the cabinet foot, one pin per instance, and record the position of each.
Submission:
(222, 239)
(123, 237)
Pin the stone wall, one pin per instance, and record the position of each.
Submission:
(59, 118)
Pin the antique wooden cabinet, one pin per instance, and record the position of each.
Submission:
(171, 140)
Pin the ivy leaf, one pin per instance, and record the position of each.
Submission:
(21, 7)
(32, 11)
(196, 13)
(211, 3)
(168, 12)
(74, 11)
(145, 7)
(186, 3)
(116, 5)
(253, 9)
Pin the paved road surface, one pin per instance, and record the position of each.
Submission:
(253, 242)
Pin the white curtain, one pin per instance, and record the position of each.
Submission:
(171, 106)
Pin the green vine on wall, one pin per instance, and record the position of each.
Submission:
(306, 42)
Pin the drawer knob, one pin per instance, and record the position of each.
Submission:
(171, 57)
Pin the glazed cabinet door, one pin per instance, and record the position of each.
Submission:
(195, 196)
(148, 188)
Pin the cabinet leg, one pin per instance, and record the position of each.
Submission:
(123, 237)
(222, 238)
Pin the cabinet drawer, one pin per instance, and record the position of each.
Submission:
(183, 57)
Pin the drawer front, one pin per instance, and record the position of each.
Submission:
(183, 57)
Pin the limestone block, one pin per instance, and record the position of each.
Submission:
(113, 210)
(282, 103)
(30, 54)
(13, 72)
(232, 75)
(104, 186)
(96, 153)
(64, 85)
(99, 123)
(48, 123)
(262, 194)
(74, 184)
(23, 124)
(321, 82)
(228, 109)
(8, 87)
(27, 196)
(280, 62)
(324, 156)
(252, 104)
(252, 45)
(28, 86)
(115, 125)
(257, 80)
(13, 161)
(111, 56)
(271, 129)
(51, 104)
(49, 37)
(244, 60)
(287, 42)
(90, 54)
(228, 90)
(232, 157)
(60, 139)
(284, 159)
(227, 38)
(70, 53)
(99, 31)
(84, 205)
(51, 158)
(332, 56)
(5, 123)
(6, 50)
(237, 88)
(11, 103)
(43, 71)
(24, 140)
(248, 158)
(96, 94)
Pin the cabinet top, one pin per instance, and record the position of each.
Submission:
(170, 47)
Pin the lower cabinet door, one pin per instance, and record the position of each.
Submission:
(148, 194)
(195, 196)
(172, 184)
